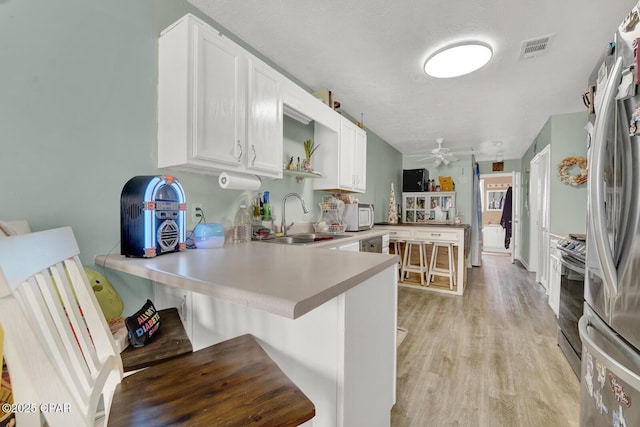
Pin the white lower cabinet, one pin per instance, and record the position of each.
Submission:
(219, 107)
(341, 354)
(493, 238)
(352, 247)
(555, 275)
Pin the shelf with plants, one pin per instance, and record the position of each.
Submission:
(303, 169)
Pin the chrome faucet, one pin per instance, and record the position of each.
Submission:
(284, 225)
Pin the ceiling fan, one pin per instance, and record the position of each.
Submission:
(441, 154)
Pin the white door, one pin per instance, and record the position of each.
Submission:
(533, 214)
(515, 214)
(545, 217)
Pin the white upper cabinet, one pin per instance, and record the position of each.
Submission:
(219, 92)
(346, 158)
(264, 127)
(360, 161)
(219, 107)
(348, 170)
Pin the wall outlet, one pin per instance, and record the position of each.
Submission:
(195, 218)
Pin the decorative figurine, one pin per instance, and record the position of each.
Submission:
(392, 217)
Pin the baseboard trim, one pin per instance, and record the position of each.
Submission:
(524, 264)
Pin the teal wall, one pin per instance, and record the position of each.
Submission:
(511, 165)
(384, 166)
(567, 137)
(462, 174)
(568, 203)
(78, 119)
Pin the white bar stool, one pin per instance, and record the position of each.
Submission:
(407, 267)
(450, 271)
(396, 244)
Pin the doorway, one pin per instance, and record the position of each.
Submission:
(493, 188)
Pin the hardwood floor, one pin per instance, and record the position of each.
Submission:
(488, 358)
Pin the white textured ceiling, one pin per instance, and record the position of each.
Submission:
(370, 53)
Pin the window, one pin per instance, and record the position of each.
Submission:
(495, 199)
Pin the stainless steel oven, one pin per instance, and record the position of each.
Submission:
(571, 300)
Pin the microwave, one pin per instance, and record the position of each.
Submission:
(358, 216)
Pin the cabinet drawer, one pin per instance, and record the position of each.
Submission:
(403, 235)
(437, 236)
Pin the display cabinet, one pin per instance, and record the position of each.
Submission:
(434, 207)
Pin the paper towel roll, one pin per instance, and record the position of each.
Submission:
(238, 181)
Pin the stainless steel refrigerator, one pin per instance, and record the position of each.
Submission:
(610, 326)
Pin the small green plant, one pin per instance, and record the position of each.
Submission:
(309, 148)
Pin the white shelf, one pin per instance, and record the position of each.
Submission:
(427, 207)
(300, 175)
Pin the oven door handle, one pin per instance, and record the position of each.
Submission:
(575, 267)
(612, 364)
(596, 181)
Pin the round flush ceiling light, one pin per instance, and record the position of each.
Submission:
(458, 60)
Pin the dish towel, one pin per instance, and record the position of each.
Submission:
(505, 220)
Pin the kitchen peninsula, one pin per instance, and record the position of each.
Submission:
(327, 317)
(458, 235)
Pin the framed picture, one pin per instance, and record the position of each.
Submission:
(497, 166)
(495, 199)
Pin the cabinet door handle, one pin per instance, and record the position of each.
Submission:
(240, 148)
(435, 234)
(253, 149)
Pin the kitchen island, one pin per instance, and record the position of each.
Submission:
(458, 235)
(327, 317)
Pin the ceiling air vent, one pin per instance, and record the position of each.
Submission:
(535, 47)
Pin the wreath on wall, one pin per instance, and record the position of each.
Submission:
(573, 170)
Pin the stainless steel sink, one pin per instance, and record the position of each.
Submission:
(305, 238)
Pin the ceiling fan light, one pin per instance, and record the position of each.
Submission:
(446, 162)
(437, 162)
(458, 59)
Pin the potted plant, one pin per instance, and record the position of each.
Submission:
(309, 148)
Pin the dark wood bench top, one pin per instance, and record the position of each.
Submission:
(233, 383)
(170, 341)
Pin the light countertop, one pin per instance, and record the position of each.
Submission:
(287, 280)
(345, 238)
(421, 224)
